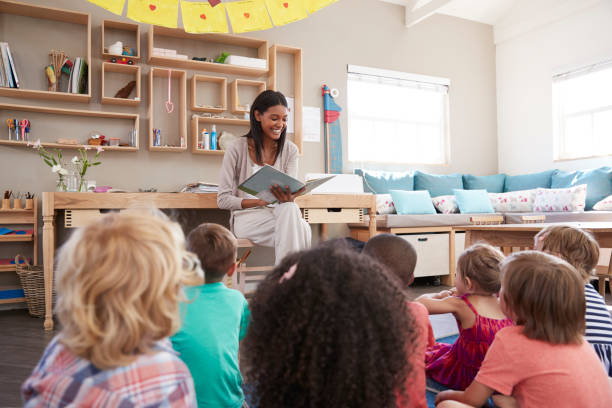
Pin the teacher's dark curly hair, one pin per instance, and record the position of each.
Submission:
(329, 328)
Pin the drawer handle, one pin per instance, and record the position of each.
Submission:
(422, 239)
(334, 210)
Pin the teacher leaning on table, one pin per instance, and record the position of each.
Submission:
(281, 225)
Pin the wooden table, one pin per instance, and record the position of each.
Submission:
(54, 201)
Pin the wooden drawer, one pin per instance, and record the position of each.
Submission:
(432, 253)
(81, 218)
(332, 215)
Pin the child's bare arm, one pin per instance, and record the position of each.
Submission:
(438, 305)
(475, 395)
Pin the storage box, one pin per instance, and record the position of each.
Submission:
(246, 61)
(340, 184)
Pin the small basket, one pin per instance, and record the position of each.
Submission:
(33, 282)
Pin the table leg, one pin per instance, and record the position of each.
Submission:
(323, 232)
(449, 279)
(468, 238)
(372, 211)
(48, 256)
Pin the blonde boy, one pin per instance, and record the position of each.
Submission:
(215, 319)
(118, 284)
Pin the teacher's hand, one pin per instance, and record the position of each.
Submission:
(283, 195)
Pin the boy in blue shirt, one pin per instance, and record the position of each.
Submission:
(215, 319)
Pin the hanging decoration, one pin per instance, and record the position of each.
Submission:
(210, 16)
(157, 12)
(204, 18)
(333, 133)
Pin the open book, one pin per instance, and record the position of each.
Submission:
(259, 183)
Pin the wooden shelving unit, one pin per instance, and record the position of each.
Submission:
(297, 85)
(123, 69)
(120, 25)
(236, 108)
(221, 81)
(71, 112)
(49, 13)
(181, 109)
(260, 45)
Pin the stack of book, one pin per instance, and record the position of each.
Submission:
(8, 72)
(77, 82)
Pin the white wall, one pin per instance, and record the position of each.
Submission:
(525, 64)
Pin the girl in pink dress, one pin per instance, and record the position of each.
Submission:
(475, 305)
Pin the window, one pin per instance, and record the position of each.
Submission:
(582, 112)
(394, 117)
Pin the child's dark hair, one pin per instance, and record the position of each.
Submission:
(545, 295)
(216, 248)
(262, 102)
(333, 332)
(395, 253)
(480, 262)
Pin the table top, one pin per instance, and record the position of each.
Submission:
(591, 226)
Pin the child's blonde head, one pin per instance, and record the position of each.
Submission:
(576, 246)
(216, 248)
(119, 283)
(546, 295)
(480, 263)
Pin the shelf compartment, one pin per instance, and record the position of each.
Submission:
(112, 25)
(70, 112)
(195, 125)
(16, 238)
(261, 46)
(11, 294)
(181, 109)
(55, 14)
(236, 108)
(121, 69)
(222, 83)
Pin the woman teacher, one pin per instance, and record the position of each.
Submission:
(281, 225)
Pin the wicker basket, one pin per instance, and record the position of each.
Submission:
(33, 282)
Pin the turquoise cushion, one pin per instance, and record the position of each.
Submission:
(473, 201)
(598, 181)
(528, 181)
(412, 202)
(437, 184)
(381, 182)
(493, 184)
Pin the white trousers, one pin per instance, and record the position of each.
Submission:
(281, 227)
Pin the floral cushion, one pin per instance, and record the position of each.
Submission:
(560, 199)
(513, 201)
(384, 204)
(604, 205)
(446, 204)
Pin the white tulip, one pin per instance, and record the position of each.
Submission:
(63, 172)
(56, 168)
(75, 159)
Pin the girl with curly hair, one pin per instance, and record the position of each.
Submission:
(329, 328)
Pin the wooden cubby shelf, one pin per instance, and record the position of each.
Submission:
(181, 109)
(47, 13)
(122, 69)
(222, 83)
(236, 107)
(108, 25)
(69, 112)
(231, 40)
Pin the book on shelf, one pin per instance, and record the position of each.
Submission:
(9, 78)
(77, 83)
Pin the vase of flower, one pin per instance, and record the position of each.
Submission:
(82, 163)
(61, 183)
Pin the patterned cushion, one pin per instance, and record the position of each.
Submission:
(604, 205)
(384, 204)
(513, 201)
(560, 199)
(446, 204)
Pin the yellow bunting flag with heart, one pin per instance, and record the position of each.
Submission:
(114, 6)
(157, 12)
(203, 18)
(286, 11)
(315, 5)
(248, 15)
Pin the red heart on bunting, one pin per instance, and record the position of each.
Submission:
(247, 15)
(203, 16)
(213, 3)
(286, 5)
(152, 7)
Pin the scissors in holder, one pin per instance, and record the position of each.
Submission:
(25, 128)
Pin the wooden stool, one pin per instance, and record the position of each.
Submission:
(244, 274)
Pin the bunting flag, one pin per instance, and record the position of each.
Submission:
(286, 11)
(157, 12)
(203, 18)
(316, 5)
(333, 133)
(114, 6)
(248, 15)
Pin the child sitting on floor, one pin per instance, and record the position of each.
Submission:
(330, 328)
(215, 319)
(479, 316)
(544, 361)
(399, 257)
(118, 283)
(581, 250)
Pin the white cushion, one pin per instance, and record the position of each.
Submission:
(384, 204)
(604, 205)
(513, 201)
(446, 204)
(560, 199)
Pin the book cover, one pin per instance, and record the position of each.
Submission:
(75, 75)
(68, 87)
(83, 77)
(2, 76)
(9, 81)
(13, 68)
(259, 183)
